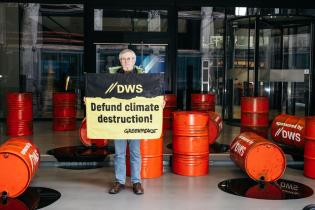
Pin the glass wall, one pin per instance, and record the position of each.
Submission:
(41, 49)
(150, 57)
(130, 20)
(278, 37)
(9, 51)
(276, 47)
(200, 51)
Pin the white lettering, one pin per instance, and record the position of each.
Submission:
(26, 148)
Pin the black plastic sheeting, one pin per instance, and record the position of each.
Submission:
(279, 190)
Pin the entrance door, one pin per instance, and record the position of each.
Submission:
(269, 56)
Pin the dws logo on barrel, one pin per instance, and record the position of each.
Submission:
(286, 134)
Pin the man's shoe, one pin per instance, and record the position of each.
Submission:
(137, 188)
(116, 188)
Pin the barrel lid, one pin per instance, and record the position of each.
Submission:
(14, 174)
(265, 160)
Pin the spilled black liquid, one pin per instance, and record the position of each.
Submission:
(33, 198)
(279, 190)
(81, 157)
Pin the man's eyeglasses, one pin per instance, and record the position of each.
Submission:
(127, 59)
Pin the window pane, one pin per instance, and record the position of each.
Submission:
(130, 20)
(52, 53)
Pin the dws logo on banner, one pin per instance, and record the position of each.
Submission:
(124, 88)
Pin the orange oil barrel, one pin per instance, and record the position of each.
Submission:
(190, 123)
(254, 111)
(190, 145)
(151, 158)
(151, 167)
(310, 128)
(215, 126)
(309, 159)
(288, 130)
(64, 111)
(190, 165)
(170, 107)
(151, 147)
(19, 114)
(203, 102)
(87, 141)
(19, 160)
(258, 157)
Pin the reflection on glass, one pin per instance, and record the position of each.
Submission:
(283, 58)
(9, 52)
(150, 57)
(52, 50)
(130, 20)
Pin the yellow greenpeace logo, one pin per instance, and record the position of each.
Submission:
(124, 88)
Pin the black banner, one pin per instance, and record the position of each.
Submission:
(124, 86)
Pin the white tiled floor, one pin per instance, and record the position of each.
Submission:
(87, 189)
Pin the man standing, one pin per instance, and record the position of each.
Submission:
(127, 60)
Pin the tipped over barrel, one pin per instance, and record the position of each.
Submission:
(19, 159)
(259, 158)
(288, 130)
(87, 141)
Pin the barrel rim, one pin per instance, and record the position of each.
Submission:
(274, 146)
(28, 173)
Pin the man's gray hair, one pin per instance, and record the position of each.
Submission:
(126, 51)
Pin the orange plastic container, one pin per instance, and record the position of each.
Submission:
(19, 114)
(288, 130)
(87, 141)
(190, 145)
(215, 126)
(151, 167)
(190, 165)
(258, 157)
(19, 159)
(310, 128)
(190, 123)
(254, 111)
(203, 102)
(64, 111)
